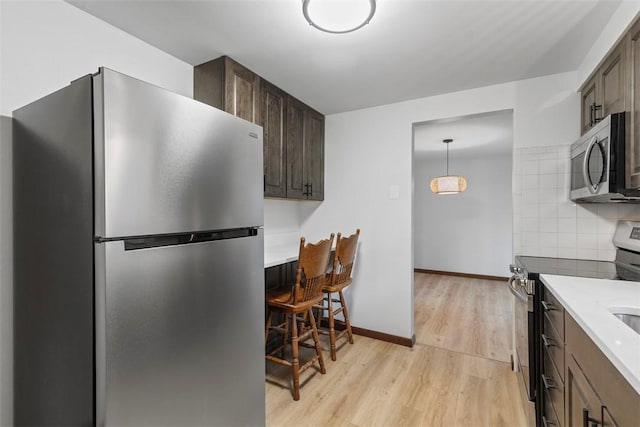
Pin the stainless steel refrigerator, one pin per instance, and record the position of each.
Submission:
(139, 279)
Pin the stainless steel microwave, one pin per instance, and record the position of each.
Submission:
(598, 164)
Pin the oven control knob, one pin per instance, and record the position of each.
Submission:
(515, 269)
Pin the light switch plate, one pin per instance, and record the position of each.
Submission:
(394, 192)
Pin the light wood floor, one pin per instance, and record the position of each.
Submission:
(455, 375)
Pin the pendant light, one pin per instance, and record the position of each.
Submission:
(338, 16)
(448, 184)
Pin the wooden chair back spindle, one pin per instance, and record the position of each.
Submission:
(313, 260)
(343, 259)
(339, 278)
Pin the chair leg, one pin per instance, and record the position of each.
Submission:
(285, 336)
(332, 328)
(295, 366)
(345, 313)
(267, 326)
(316, 340)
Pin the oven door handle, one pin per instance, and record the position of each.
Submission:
(514, 291)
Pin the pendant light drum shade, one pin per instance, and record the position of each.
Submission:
(338, 16)
(448, 184)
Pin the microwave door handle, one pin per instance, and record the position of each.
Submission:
(585, 166)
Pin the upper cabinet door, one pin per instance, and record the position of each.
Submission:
(297, 182)
(588, 103)
(275, 153)
(314, 156)
(242, 91)
(609, 88)
(227, 85)
(612, 80)
(633, 129)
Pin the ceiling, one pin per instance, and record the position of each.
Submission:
(411, 48)
(476, 135)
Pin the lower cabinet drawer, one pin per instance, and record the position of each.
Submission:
(553, 310)
(554, 345)
(552, 386)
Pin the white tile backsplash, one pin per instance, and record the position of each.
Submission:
(546, 222)
(549, 181)
(587, 225)
(548, 166)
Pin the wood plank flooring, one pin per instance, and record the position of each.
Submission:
(454, 375)
(471, 316)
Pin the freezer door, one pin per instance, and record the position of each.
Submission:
(180, 334)
(165, 163)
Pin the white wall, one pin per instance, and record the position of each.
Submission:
(43, 46)
(47, 44)
(469, 232)
(369, 150)
(547, 223)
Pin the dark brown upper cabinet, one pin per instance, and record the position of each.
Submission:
(314, 156)
(606, 91)
(275, 151)
(305, 151)
(614, 87)
(296, 130)
(613, 81)
(633, 117)
(227, 85)
(293, 132)
(589, 97)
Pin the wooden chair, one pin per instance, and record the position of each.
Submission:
(296, 301)
(339, 278)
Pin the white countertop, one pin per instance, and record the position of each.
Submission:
(280, 255)
(281, 248)
(590, 303)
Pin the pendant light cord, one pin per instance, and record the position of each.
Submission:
(447, 159)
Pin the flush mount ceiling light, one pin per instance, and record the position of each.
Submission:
(338, 16)
(448, 184)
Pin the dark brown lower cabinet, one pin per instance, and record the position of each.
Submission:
(596, 393)
(583, 408)
(553, 361)
(580, 387)
(607, 419)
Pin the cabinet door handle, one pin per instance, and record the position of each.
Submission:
(586, 419)
(548, 384)
(548, 307)
(310, 190)
(596, 108)
(548, 342)
(593, 109)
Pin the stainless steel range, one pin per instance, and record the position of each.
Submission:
(525, 285)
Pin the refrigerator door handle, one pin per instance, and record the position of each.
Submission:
(146, 242)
